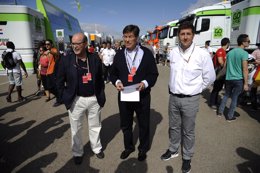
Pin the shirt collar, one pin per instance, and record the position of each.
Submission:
(188, 49)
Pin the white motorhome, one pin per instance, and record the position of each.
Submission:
(211, 23)
(245, 20)
(171, 35)
(23, 26)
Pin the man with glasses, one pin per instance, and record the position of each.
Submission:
(134, 64)
(80, 83)
(236, 76)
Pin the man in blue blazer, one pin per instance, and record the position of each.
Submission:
(134, 64)
(81, 87)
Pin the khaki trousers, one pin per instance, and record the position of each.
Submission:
(78, 110)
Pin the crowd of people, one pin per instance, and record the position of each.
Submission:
(77, 79)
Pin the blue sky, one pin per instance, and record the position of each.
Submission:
(111, 16)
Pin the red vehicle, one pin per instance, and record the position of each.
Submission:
(157, 34)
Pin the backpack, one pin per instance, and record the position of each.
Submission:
(8, 60)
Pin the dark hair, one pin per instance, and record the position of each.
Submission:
(186, 25)
(42, 47)
(49, 40)
(132, 28)
(225, 41)
(241, 38)
(85, 38)
(10, 45)
(207, 42)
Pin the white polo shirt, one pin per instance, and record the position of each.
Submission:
(191, 71)
(108, 56)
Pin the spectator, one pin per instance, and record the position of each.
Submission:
(219, 61)
(236, 76)
(107, 56)
(253, 93)
(208, 48)
(14, 74)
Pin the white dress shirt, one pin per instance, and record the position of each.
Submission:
(191, 71)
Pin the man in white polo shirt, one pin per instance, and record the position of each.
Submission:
(191, 72)
(14, 74)
(107, 57)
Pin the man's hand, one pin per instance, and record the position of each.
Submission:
(141, 86)
(25, 74)
(119, 86)
(246, 87)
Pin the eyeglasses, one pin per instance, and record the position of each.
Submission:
(77, 44)
(41, 50)
(248, 41)
(48, 44)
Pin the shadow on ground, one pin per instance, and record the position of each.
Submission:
(251, 165)
(14, 151)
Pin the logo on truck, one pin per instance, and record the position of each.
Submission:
(236, 18)
(218, 32)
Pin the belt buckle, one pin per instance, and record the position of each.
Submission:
(182, 95)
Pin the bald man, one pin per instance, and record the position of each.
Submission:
(81, 87)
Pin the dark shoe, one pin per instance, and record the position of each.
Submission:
(168, 155)
(22, 99)
(141, 156)
(38, 93)
(231, 119)
(126, 153)
(219, 114)
(100, 155)
(56, 104)
(78, 159)
(48, 99)
(213, 107)
(186, 166)
(8, 99)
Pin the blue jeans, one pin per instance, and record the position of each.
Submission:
(233, 89)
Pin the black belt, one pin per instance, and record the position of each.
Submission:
(182, 95)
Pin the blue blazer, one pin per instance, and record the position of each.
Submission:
(67, 78)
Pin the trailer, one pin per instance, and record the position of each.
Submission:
(23, 26)
(26, 27)
(245, 20)
(211, 23)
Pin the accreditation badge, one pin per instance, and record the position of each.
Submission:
(84, 79)
(130, 77)
(89, 76)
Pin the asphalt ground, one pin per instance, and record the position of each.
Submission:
(35, 137)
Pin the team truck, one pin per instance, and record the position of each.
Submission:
(171, 35)
(23, 26)
(26, 27)
(154, 36)
(245, 20)
(211, 23)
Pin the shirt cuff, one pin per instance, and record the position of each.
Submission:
(145, 83)
(117, 81)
